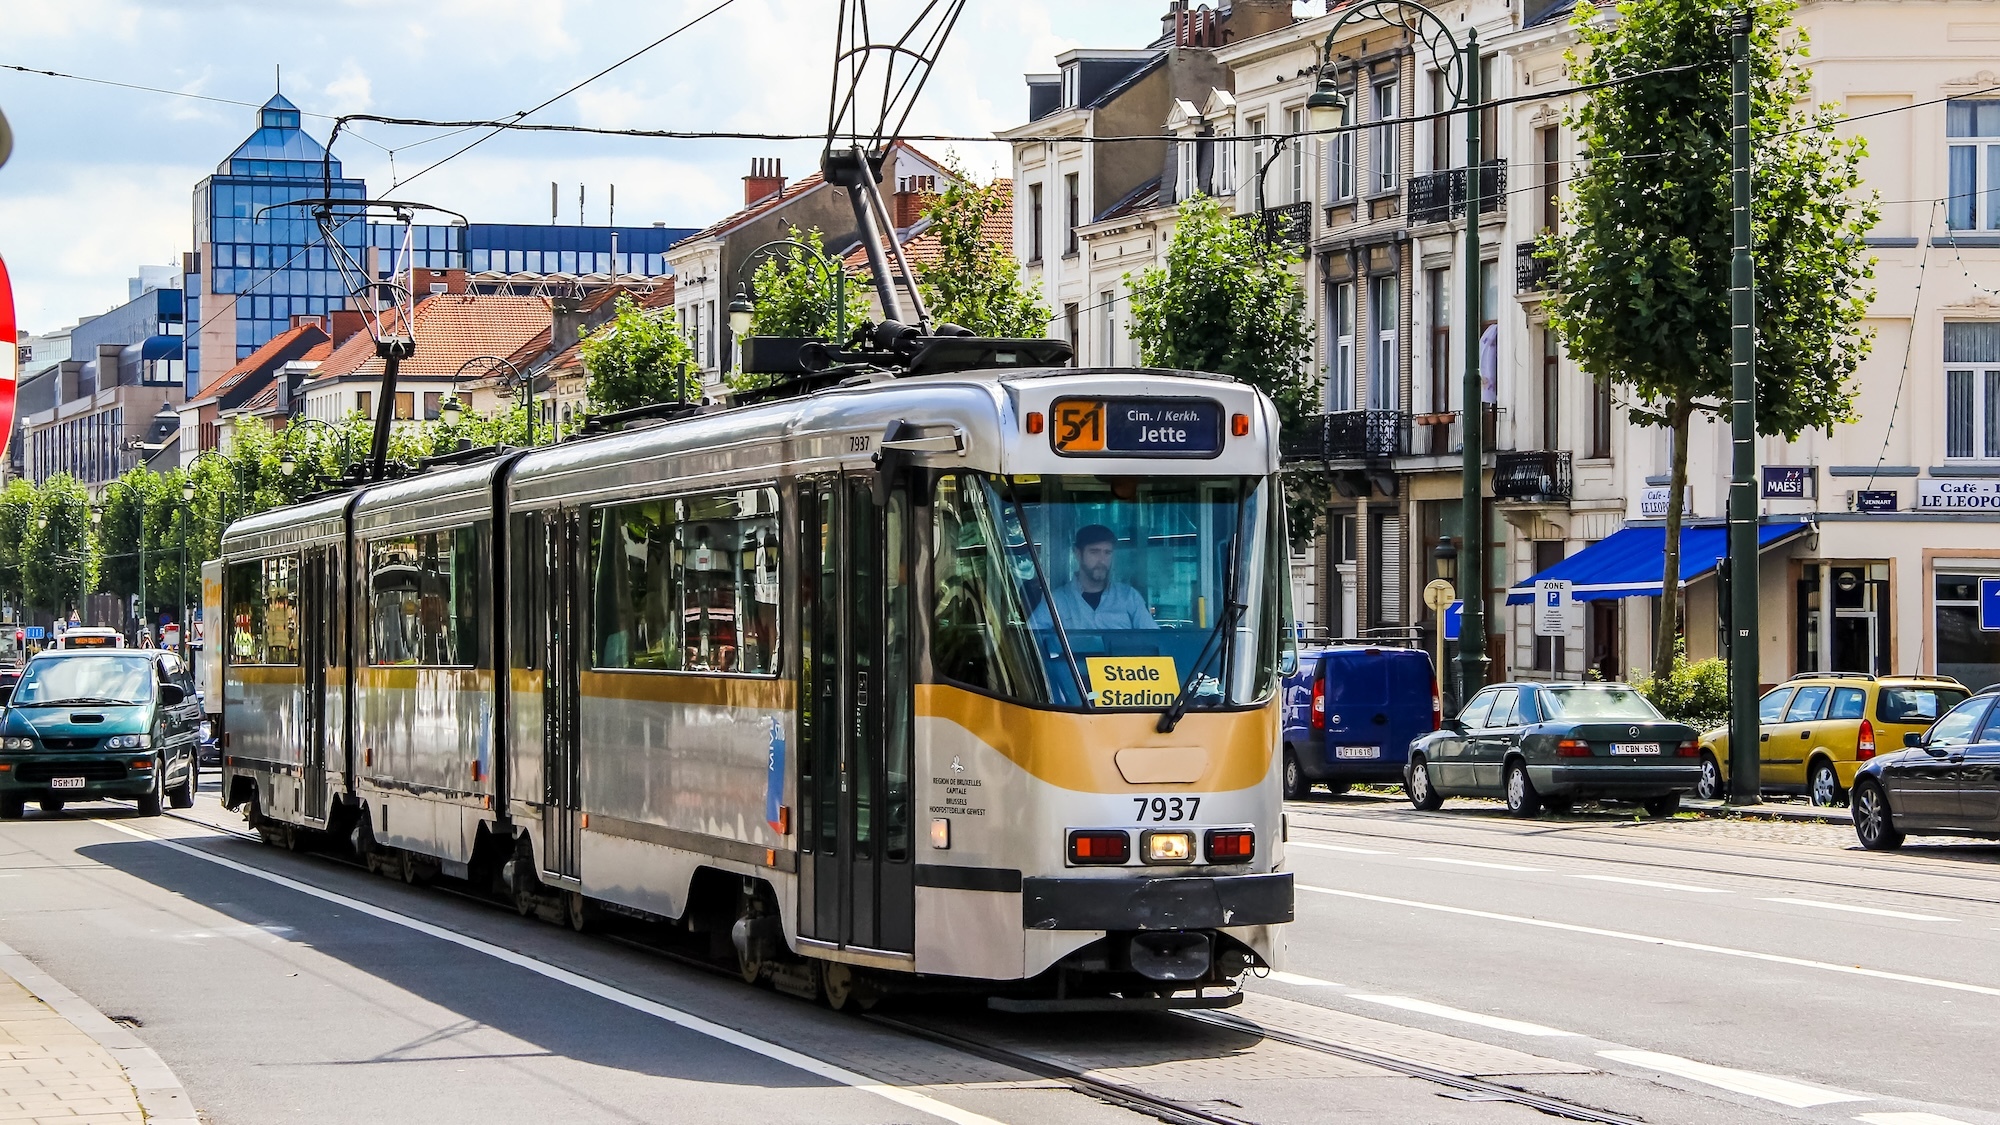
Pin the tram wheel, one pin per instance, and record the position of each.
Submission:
(845, 989)
(577, 910)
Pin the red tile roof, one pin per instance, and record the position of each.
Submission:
(769, 203)
(263, 360)
(449, 328)
(922, 246)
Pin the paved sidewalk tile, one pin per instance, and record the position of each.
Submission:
(50, 1071)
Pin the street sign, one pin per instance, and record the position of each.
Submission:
(1454, 616)
(1653, 502)
(1552, 604)
(1789, 482)
(1989, 604)
(36, 633)
(1875, 500)
(1438, 594)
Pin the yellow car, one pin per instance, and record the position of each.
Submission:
(1817, 728)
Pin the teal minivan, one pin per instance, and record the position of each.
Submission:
(95, 724)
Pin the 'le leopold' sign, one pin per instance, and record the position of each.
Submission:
(1958, 495)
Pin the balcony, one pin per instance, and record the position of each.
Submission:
(1531, 274)
(1291, 223)
(1534, 474)
(1437, 196)
(1351, 435)
(1443, 434)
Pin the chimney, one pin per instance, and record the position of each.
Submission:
(1245, 18)
(766, 179)
(427, 282)
(566, 323)
(344, 324)
(300, 320)
(913, 194)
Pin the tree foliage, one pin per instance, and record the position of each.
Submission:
(1640, 271)
(1229, 303)
(794, 293)
(59, 554)
(975, 282)
(638, 359)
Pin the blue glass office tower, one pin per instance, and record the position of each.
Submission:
(252, 271)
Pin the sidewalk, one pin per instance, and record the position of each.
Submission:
(61, 1061)
(1773, 810)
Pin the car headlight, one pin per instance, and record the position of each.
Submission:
(17, 744)
(129, 741)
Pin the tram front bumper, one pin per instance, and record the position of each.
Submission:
(1164, 903)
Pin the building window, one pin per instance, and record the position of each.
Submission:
(1073, 325)
(1551, 390)
(1295, 124)
(1340, 166)
(1964, 651)
(433, 405)
(1385, 556)
(406, 406)
(1340, 374)
(1489, 118)
(1187, 170)
(1107, 302)
(1382, 315)
(364, 401)
(1972, 390)
(1974, 152)
(1258, 154)
(1441, 99)
(1073, 188)
(1437, 285)
(1034, 222)
(1225, 166)
(1548, 142)
(1382, 143)
(1600, 418)
(1069, 85)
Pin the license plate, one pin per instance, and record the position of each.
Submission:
(1357, 751)
(65, 783)
(1635, 748)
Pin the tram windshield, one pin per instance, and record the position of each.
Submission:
(1108, 591)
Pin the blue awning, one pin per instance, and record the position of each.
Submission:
(1626, 564)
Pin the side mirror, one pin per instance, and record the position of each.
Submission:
(172, 695)
(1914, 738)
(1453, 725)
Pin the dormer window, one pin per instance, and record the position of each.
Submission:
(281, 119)
(1069, 86)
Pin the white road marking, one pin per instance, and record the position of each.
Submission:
(1691, 889)
(1908, 1119)
(1302, 981)
(1476, 863)
(1670, 943)
(1784, 1091)
(1498, 1023)
(1863, 910)
(1334, 848)
(909, 1099)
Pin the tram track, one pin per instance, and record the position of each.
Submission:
(1172, 1111)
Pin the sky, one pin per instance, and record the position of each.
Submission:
(102, 178)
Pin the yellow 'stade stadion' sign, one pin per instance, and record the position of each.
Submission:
(1133, 681)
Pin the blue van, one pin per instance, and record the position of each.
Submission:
(1351, 712)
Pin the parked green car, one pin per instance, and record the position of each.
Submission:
(92, 724)
(1549, 745)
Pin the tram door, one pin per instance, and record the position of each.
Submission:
(318, 616)
(856, 863)
(561, 555)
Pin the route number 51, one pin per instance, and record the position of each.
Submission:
(1079, 427)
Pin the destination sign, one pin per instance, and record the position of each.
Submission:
(1162, 427)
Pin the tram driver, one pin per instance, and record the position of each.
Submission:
(1090, 600)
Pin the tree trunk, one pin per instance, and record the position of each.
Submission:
(1667, 630)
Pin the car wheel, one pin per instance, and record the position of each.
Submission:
(1296, 784)
(1825, 785)
(1420, 791)
(183, 795)
(1662, 806)
(1522, 800)
(1710, 786)
(149, 805)
(11, 808)
(1873, 823)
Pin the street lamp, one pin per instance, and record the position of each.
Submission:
(1445, 555)
(1327, 107)
(1461, 80)
(743, 308)
(451, 410)
(339, 435)
(740, 312)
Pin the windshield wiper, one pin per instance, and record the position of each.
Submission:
(1225, 626)
(1048, 594)
(78, 701)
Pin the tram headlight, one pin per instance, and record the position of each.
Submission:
(1169, 847)
(941, 833)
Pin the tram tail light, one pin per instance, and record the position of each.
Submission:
(1169, 847)
(1231, 845)
(1319, 704)
(1107, 847)
(1034, 421)
(1239, 425)
(1864, 747)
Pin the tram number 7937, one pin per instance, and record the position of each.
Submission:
(1167, 809)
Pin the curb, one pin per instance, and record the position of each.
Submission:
(1833, 814)
(160, 1093)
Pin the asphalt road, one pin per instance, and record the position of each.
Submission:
(1682, 971)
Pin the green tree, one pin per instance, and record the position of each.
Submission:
(1641, 267)
(136, 500)
(60, 562)
(1228, 302)
(975, 282)
(638, 359)
(17, 518)
(794, 295)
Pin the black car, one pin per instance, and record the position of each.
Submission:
(1550, 745)
(1946, 784)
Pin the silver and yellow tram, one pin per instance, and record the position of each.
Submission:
(960, 676)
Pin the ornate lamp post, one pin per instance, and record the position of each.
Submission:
(1326, 108)
(451, 409)
(288, 464)
(743, 307)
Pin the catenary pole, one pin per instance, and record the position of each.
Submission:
(1472, 418)
(1744, 781)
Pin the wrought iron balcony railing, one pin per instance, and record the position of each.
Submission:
(1532, 474)
(1290, 223)
(1531, 274)
(1437, 196)
(1351, 435)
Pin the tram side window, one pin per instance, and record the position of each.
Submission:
(263, 611)
(688, 584)
(425, 594)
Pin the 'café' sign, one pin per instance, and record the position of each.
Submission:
(1958, 495)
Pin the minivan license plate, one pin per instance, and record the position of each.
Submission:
(1357, 751)
(65, 783)
(1635, 748)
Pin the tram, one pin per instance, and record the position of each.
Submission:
(963, 679)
